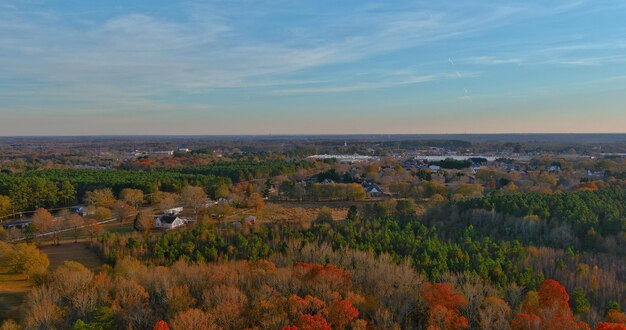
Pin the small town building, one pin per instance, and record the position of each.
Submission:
(169, 222)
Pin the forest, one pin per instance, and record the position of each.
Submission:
(272, 241)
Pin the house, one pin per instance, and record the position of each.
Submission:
(372, 189)
(81, 210)
(169, 222)
(251, 219)
(434, 168)
(173, 211)
(554, 168)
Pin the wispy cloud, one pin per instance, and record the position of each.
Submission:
(142, 58)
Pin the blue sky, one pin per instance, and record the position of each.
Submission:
(78, 67)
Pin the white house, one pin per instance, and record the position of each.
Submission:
(169, 222)
(173, 211)
(81, 210)
(434, 168)
(251, 219)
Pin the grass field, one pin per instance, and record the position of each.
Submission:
(13, 289)
(78, 252)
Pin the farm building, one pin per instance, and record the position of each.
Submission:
(169, 222)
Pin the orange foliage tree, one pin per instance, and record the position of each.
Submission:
(615, 316)
(331, 275)
(443, 306)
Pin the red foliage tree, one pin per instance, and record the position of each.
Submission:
(161, 325)
(610, 326)
(342, 313)
(312, 322)
(443, 306)
(547, 309)
(526, 322)
(329, 274)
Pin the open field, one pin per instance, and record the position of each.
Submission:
(78, 252)
(13, 289)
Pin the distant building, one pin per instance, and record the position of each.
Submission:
(434, 168)
(81, 210)
(372, 189)
(251, 219)
(169, 222)
(173, 211)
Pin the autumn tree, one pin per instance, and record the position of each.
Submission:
(43, 313)
(610, 326)
(123, 211)
(547, 309)
(75, 223)
(443, 306)
(23, 258)
(132, 197)
(100, 198)
(165, 200)
(5, 205)
(193, 318)
(615, 316)
(161, 325)
(42, 220)
(102, 213)
(93, 229)
(144, 221)
(130, 300)
(193, 197)
(494, 314)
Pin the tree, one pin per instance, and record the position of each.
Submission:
(21, 194)
(342, 313)
(42, 220)
(43, 312)
(9, 325)
(75, 222)
(494, 314)
(102, 213)
(615, 316)
(161, 325)
(44, 192)
(255, 201)
(144, 221)
(165, 200)
(549, 308)
(5, 205)
(123, 211)
(581, 303)
(23, 258)
(443, 305)
(193, 319)
(193, 196)
(133, 197)
(93, 229)
(100, 198)
(67, 192)
(312, 322)
(610, 326)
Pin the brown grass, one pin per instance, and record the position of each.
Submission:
(13, 289)
(78, 252)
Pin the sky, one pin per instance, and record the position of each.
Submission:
(77, 67)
